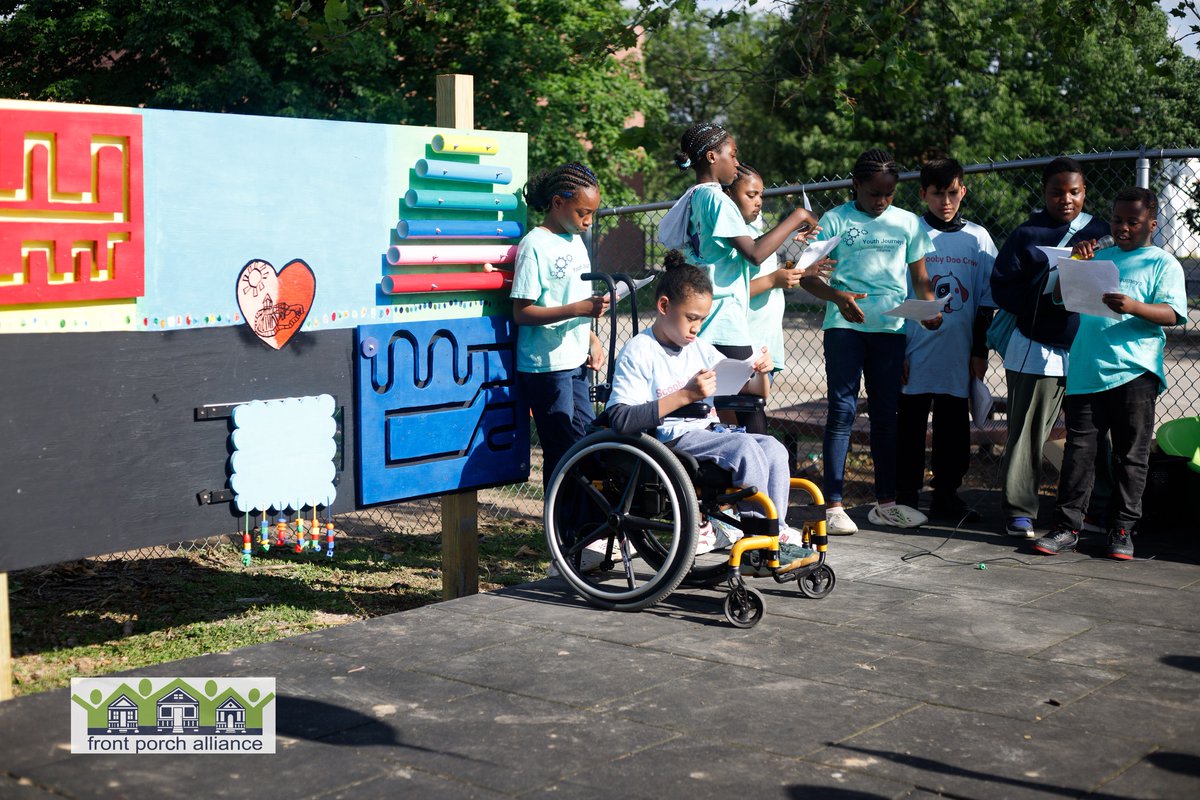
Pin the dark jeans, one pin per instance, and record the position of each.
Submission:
(1127, 413)
(561, 411)
(877, 359)
(951, 454)
(753, 421)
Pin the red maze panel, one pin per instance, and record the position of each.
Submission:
(71, 206)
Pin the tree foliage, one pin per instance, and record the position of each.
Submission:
(981, 79)
(550, 68)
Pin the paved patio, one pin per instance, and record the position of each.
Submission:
(1073, 676)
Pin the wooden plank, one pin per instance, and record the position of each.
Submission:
(456, 101)
(6, 672)
(460, 545)
(460, 512)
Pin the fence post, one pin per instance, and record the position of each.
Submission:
(1142, 167)
(6, 673)
(460, 511)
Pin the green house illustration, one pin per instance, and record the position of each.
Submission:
(175, 708)
(122, 715)
(177, 712)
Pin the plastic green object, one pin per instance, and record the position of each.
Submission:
(1181, 437)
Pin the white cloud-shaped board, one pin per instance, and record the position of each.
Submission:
(283, 453)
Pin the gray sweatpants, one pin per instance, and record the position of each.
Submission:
(753, 458)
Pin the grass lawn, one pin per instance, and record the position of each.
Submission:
(88, 618)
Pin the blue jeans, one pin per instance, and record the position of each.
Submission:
(851, 357)
(561, 411)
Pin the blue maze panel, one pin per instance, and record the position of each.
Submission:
(438, 409)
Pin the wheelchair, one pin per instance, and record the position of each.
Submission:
(640, 503)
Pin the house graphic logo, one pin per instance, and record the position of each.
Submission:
(173, 715)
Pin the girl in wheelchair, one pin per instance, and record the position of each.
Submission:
(667, 367)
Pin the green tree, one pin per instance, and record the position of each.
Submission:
(550, 68)
(978, 78)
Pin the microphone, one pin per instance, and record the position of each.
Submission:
(1101, 243)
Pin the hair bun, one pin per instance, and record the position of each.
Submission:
(674, 260)
(683, 161)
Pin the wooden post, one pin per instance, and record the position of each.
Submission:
(6, 673)
(460, 511)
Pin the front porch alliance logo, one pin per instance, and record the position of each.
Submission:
(173, 715)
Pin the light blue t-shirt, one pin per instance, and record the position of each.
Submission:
(547, 272)
(960, 273)
(1110, 352)
(765, 318)
(872, 259)
(714, 220)
(645, 370)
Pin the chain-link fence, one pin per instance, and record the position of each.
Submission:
(1000, 196)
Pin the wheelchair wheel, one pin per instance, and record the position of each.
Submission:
(744, 607)
(630, 494)
(818, 583)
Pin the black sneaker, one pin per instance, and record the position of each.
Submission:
(1060, 539)
(952, 509)
(1120, 544)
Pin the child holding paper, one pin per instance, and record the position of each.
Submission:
(1114, 375)
(882, 249)
(939, 364)
(708, 228)
(667, 366)
(768, 279)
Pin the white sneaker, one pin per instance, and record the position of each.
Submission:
(591, 558)
(726, 534)
(838, 522)
(790, 535)
(706, 538)
(896, 516)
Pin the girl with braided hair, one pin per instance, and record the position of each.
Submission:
(707, 226)
(882, 250)
(552, 308)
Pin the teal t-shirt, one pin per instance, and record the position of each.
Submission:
(765, 317)
(1110, 352)
(547, 272)
(714, 220)
(872, 259)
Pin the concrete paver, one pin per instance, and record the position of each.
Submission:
(919, 676)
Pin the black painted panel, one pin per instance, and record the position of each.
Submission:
(100, 450)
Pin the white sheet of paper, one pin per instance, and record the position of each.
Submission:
(816, 251)
(623, 288)
(1053, 254)
(732, 374)
(1084, 284)
(919, 310)
(981, 401)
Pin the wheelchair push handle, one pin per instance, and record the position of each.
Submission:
(599, 393)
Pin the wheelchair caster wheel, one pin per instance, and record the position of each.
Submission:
(744, 607)
(818, 583)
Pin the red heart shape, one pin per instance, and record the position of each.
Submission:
(275, 304)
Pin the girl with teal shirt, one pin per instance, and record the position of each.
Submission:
(706, 225)
(881, 249)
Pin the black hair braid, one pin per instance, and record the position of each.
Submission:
(745, 171)
(682, 279)
(872, 163)
(562, 181)
(698, 140)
